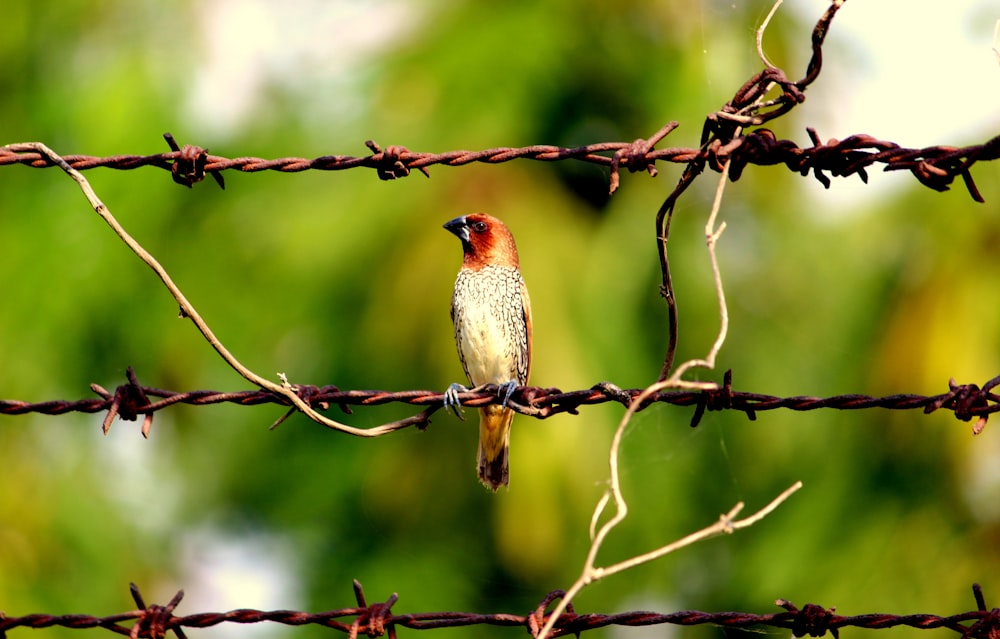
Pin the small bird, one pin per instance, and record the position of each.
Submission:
(492, 316)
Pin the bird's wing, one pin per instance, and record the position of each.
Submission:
(524, 353)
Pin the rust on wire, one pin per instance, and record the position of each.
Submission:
(812, 620)
(373, 620)
(189, 166)
(155, 620)
(377, 619)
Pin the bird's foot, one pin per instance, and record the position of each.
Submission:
(451, 401)
(505, 390)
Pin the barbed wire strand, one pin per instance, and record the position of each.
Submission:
(377, 619)
(935, 167)
(130, 400)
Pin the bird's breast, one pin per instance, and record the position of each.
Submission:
(489, 309)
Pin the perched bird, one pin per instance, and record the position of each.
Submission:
(492, 317)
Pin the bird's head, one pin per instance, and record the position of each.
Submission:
(485, 240)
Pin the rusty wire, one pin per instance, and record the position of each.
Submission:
(725, 141)
(131, 400)
(936, 166)
(378, 619)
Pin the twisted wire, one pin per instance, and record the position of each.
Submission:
(131, 400)
(378, 619)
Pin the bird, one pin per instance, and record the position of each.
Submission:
(491, 313)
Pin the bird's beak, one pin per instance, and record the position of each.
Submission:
(459, 227)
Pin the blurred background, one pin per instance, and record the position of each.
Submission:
(339, 278)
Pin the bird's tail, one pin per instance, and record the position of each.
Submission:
(494, 442)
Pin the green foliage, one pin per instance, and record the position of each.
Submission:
(340, 278)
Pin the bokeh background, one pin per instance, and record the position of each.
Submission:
(339, 278)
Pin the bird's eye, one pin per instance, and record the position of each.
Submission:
(479, 227)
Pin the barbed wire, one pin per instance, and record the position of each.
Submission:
(375, 620)
(131, 399)
(723, 140)
(936, 167)
(732, 137)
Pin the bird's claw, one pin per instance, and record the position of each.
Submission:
(451, 401)
(505, 390)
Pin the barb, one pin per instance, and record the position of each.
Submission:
(377, 619)
(189, 167)
(128, 401)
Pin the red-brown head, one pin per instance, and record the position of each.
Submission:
(485, 240)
